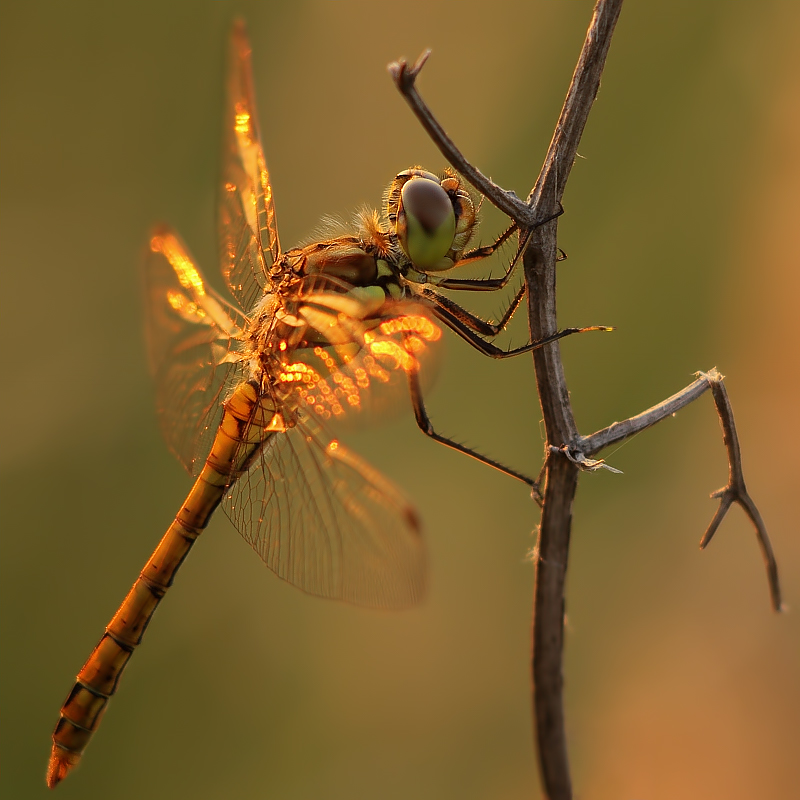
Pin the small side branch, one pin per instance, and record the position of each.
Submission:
(619, 431)
(404, 76)
(734, 492)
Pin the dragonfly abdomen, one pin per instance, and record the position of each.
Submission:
(246, 424)
(99, 678)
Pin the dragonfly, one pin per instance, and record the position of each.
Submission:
(247, 384)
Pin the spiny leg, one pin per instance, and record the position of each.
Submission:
(492, 284)
(467, 326)
(478, 254)
(472, 327)
(426, 426)
(472, 321)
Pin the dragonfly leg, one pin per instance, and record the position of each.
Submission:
(475, 323)
(468, 327)
(492, 284)
(426, 426)
(472, 321)
(478, 254)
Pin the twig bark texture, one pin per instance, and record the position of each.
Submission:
(552, 545)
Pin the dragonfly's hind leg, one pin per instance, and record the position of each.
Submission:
(426, 426)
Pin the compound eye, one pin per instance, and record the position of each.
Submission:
(426, 223)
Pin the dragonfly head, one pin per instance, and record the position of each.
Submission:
(433, 217)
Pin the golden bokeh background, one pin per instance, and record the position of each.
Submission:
(681, 231)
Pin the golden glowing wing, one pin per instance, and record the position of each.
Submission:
(248, 235)
(191, 345)
(318, 515)
(359, 350)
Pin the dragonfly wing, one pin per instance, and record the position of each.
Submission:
(248, 232)
(191, 344)
(367, 345)
(324, 520)
(318, 515)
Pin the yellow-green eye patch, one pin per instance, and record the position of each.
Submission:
(426, 223)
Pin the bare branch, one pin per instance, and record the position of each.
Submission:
(552, 546)
(550, 564)
(580, 97)
(540, 258)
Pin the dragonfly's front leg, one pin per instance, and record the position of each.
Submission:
(479, 253)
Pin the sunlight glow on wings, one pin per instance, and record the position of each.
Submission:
(249, 244)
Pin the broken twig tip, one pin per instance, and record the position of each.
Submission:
(405, 75)
(712, 376)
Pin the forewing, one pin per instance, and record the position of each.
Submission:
(248, 237)
(324, 520)
(366, 347)
(191, 344)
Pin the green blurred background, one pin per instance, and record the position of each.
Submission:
(681, 230)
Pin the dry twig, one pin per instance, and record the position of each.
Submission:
(567, 452)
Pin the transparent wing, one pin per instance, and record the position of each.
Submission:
(318, 515)
(362, 348)
(248, 235)
(324, 520)
(191, 344)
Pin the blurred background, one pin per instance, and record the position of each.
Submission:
(681, 231)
